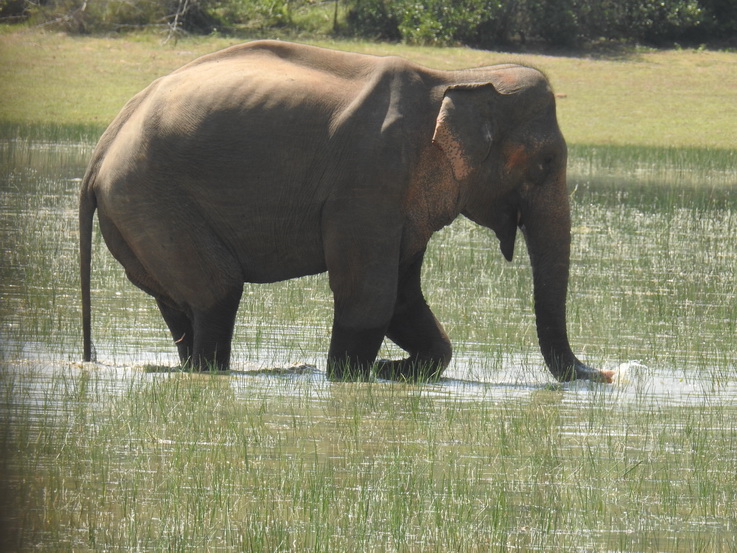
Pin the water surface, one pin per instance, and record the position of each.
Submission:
(653, 280)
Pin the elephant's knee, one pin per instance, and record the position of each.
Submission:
(442, 352)
(443, 355)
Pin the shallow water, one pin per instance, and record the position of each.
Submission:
(653, 282)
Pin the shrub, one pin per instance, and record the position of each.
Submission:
(554, 22)
(374, 19)
(486, 23)
(92, 16)
(12, 9)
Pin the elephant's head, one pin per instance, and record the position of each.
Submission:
(506, 151)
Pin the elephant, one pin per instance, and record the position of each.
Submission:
(271, 160)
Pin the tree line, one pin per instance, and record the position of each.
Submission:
(553, 22)
(484, 23)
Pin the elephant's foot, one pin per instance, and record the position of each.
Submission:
(409, 370)
(204, 365)
(347, 372)
(567, 368)
(352, 352)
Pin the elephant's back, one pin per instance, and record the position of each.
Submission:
(223, 164)
(278, 54)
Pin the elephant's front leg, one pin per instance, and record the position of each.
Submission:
(416, 330)
(181, 330)
(363, 310)
(353, 351)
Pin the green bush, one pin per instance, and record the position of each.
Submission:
(553, 22)
(374, 19)
(431, 21)
(720, 19)
(556, 22)
(12, 9)
(94, 16)
(257, 13)
(487, 23)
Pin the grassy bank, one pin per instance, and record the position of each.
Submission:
(647, 98)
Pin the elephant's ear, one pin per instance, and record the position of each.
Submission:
(464, 128)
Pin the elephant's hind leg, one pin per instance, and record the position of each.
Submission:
(213, 333)
(181, 329)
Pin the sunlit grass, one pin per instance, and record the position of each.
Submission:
(193, 462)
(134, 454)
(684, 99)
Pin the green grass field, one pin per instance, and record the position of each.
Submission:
(648, 98)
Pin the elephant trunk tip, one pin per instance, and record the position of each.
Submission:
(567, 370)
(608, 375)
(604, 375)
(584, 372)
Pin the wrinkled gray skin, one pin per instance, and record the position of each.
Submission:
(269, 161)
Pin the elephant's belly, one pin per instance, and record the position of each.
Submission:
(283, 272)
(282, 262)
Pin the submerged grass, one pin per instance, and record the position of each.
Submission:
(198, 462)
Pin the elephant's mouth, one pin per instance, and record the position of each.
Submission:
(507, 234)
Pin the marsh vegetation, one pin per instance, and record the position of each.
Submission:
(131, 453)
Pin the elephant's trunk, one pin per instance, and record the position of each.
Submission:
(547, 231)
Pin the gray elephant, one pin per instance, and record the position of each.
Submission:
(269, 161)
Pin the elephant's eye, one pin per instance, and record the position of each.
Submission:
(547, 163)
(543, 169)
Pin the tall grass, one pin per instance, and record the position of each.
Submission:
(697, 166)
(56, 133)
(113, 456)
(200, 462)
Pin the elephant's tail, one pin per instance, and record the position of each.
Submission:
(87, 207)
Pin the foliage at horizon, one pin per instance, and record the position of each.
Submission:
(485, 23)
